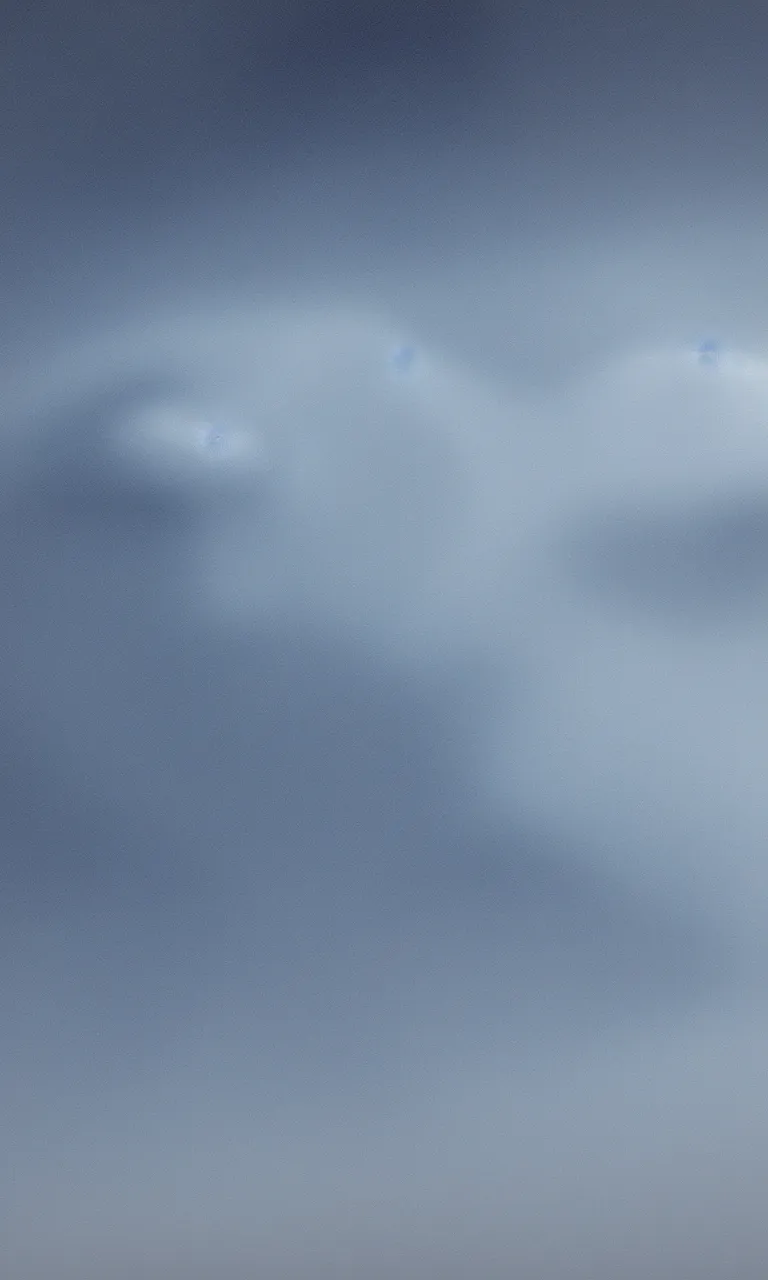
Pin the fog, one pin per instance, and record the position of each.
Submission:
(384, 570)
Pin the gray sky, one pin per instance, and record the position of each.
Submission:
(382, 805)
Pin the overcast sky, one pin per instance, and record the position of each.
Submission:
(383, 804)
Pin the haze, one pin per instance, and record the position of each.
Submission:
(385, 588)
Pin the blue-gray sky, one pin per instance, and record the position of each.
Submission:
(382, 804)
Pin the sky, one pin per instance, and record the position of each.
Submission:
(384, 564)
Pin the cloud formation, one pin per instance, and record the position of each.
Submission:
(382, 804)
(401, 792)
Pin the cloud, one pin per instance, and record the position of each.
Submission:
(383, 831)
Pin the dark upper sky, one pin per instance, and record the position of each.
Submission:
(120, 105)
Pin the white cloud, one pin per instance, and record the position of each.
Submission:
(425, 1082)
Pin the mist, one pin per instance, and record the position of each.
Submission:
(384, 514)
